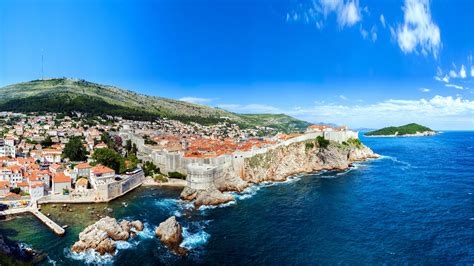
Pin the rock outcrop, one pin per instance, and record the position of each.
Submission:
(102, 235)
(210, 196)
(277, 165)
(170, 233)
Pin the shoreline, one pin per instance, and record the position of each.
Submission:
(172, 182)
(425, 134)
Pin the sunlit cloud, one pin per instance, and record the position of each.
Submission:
(418, 31)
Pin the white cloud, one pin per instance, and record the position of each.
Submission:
(342, 97)
(454, 86)
(250, 108)
(196, 100)
(373, 33)
(424, 90)
(453, 74)
(439, 112)
(462, 72)
(363, 32)
(348, 12)
(382, 20)
(418, 31)
(472, 71)
(446, 79)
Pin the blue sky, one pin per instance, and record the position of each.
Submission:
(358, 63)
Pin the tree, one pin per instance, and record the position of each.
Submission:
(109, 158)
(16, 190)
(128, 145)
(322, 142)
(134, 149)
(74, 150)
(47, 142)
(149, 168)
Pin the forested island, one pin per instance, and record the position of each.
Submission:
(408, 130)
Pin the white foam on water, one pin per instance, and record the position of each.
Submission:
(194, 240)
(90, 256)
(51, 261)
(246, 193)
(147, 232)
(394, 159)
(166, 204)
(124, 244)
(209, 207)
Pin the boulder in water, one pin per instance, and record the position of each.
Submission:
(170, 234)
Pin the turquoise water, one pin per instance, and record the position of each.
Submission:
(414, 205)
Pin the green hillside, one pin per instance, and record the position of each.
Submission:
(399, 131)
(66, 95)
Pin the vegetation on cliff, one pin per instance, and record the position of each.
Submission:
(71, 95)
(400, 131)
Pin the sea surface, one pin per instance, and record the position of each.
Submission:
(414, 205)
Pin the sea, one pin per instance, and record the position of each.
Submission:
(414, 205)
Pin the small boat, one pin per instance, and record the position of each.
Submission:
(65, 226)
(124, 204)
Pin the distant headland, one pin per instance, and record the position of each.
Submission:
(408, 130)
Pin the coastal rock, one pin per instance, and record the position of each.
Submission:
(137, 225)
(211, 196)
(102, 235)
(188, 194)
(170, 234)
(231, 182)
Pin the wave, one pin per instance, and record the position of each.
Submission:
(173, 206)
(147, 232)
(210, 207)
(394, 159)
(194, 240)
(90, 256)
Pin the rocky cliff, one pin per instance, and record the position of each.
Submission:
(280, 163)
(302, 157)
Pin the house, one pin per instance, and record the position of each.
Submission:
(36, 191)
(81, 184)
(7, 151)
(12, 174)
(101, 175)
(4, 187)
(83, 169)
(23, 186)
(56, 168)
(318, 128)
(100, 146)
(60, 182)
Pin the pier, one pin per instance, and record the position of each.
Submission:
(58, 230)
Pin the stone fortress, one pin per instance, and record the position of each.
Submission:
(203, 173)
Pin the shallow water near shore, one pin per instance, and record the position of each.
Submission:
(414, 205)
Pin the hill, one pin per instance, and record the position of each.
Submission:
(66, 95)
(409, 129)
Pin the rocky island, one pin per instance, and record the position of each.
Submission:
(408, 130)
(102, 235)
